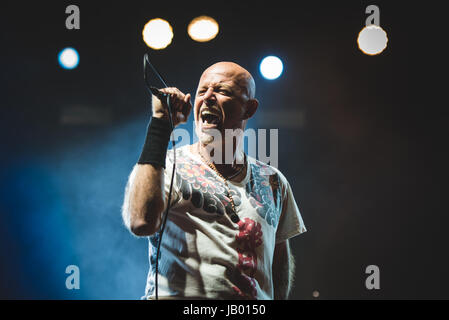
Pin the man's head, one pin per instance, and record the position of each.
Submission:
(225, 99)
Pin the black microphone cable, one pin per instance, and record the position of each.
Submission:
(161, 96)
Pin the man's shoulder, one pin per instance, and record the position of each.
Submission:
(265, 169)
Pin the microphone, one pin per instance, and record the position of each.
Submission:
(158, 93)
(163, 96)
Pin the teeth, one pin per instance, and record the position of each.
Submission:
(205, 112)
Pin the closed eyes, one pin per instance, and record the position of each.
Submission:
(219, 90)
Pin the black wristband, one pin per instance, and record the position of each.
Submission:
(156, 143)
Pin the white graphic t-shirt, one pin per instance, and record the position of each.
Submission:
(207, 251)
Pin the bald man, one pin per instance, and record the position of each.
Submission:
(230, 217)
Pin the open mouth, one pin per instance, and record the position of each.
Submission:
(210, 118)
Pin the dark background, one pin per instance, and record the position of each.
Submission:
(361, 140)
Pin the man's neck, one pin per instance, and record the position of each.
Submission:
(225, 164)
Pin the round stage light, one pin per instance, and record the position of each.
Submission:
(271, 67)
(68, 58)
(372, 40)
(157, 33)
(203, 29)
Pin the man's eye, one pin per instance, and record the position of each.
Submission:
(225, 92)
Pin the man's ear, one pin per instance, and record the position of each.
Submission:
(251, 107)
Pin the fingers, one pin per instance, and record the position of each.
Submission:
(180, 104)
(187, 106)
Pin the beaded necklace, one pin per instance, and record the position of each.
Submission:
(225, 180)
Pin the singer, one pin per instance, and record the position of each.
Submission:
(229, 223)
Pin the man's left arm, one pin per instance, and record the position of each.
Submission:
(283, 270)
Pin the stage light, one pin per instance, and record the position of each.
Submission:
(68, 58)
(203, 29)
(157, 34)
(372, 40)
(271, 67)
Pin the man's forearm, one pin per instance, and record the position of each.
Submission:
(144, 195)
(145, 199)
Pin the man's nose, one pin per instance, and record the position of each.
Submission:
(209, 96)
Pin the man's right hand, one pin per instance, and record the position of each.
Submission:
(180, 104)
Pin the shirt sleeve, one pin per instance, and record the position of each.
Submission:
(290, 223)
